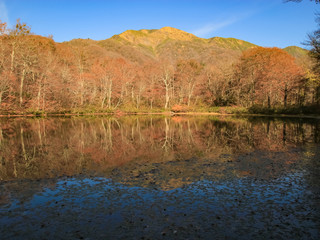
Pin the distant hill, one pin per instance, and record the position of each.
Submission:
(300, 54)
(295, 51)
(170, 44)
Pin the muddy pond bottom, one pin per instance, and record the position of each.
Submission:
(99, 208)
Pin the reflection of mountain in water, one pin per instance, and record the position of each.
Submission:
(158, 152)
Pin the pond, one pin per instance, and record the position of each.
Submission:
(160, 177)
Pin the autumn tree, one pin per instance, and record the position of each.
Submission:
(81, 64)
(125, 85)
(106, 72)
(139, 86)
(17, 37)
(217, 86)
(4, 74)
(5, 80)
(63, 86)
(40, 75)
(3, 28)
(21, 54)
(152, 82)
(187, 73)
(314, 43)
(43, 71)
(167, 79)
(267, 75)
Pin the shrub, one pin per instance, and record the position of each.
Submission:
(259, 109)
(180, 108)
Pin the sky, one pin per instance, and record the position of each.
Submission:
(268, 23)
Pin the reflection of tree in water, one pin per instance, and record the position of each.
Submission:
(23, 191)
(312, 164)
(157, 149)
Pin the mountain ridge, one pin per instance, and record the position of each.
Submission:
(154, 37)
(172, 44)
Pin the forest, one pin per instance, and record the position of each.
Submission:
(152, 71)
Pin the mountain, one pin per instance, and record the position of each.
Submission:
(300, 54)
(231, 43)
(295, 51)
(171, 44)
(155, 37)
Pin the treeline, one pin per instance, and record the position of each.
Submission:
(39, 75)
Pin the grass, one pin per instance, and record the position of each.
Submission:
(290, 110)
(229, 110)
(177, 109)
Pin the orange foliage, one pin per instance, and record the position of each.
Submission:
(271, 74)
(38, 74)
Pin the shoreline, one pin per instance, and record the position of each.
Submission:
(169, 113)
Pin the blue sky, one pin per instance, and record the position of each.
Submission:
(264, 22)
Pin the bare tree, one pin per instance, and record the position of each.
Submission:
(167, 80)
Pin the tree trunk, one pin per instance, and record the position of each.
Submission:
(39, 93)
(44, 97)
(38, 97)
(284, 133)
(24, 153)
(109, 94)
(102, 102)
(285, 96)
(132, 94)
(191, 87)
(166, 81)
(21, 86)
(12, 56)
(167, 98)
(252, 90)
(138, 99)
(81, 90)
(318, 95)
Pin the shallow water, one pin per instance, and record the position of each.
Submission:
(159, 178)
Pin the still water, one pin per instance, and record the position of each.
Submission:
(142, 177)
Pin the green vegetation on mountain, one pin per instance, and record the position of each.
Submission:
(231, 43)
(297, 52)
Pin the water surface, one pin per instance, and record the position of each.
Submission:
(140, 177)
